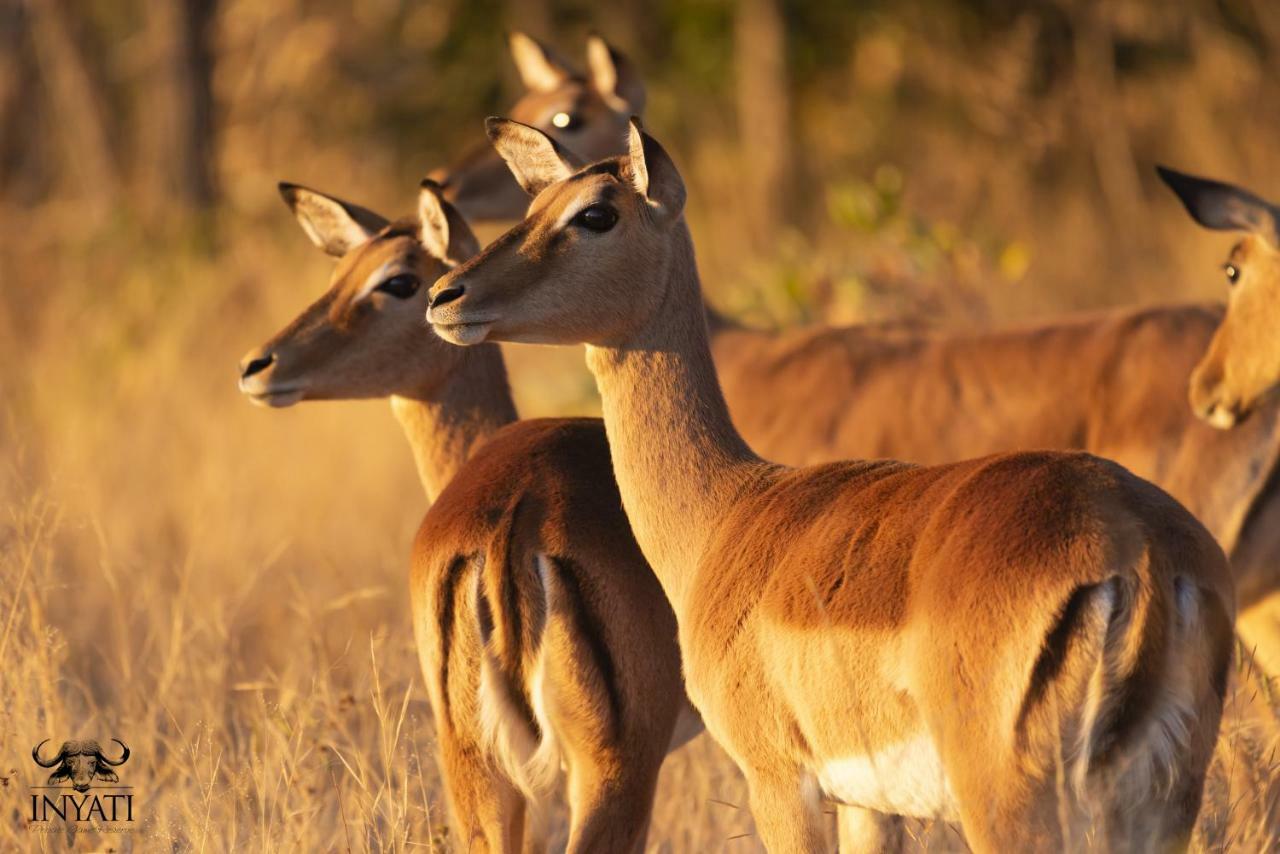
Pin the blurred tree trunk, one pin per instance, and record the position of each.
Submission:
(193, 68)
(18, 115)
(1100, 109)
(184, 146)
(78, 98)
(764, 112)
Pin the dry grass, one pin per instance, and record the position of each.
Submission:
(222, 587)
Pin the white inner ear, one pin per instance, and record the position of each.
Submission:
(330, 227)
(639, 169)
(538, 165)
(380, 275)
(604, 75)
(433, 229)
(538, 71)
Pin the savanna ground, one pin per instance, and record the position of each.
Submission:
(222, 587)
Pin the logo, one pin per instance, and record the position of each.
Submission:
(84, 787)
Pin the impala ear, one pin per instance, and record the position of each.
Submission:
(442, 229)
(614, 77)
(653, 174)
(536, 159)
(1221, 206)
(541, 68)
(335, 226)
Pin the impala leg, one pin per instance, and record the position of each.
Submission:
(787, 812)
(488, 811)
(864, 831)
(611, 814)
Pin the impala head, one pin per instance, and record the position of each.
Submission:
(1242, 365)
(585, 113)
(363, 337)
(588, 263)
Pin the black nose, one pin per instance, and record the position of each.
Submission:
(449, 294)
(248, 369)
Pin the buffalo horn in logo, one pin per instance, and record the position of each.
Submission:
(80, 762)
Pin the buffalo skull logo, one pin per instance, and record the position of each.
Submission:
(81, 762)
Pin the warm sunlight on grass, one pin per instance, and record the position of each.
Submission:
(223, 588)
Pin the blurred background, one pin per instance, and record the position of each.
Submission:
(221, 586)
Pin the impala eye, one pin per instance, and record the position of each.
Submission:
(596, 218)
(402, 286)
(566, 121)
(1233, 273)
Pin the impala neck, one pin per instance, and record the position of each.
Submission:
(678, 460)
(445, 423)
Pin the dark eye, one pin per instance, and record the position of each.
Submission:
(566, 121)
(1233, 273)
(596, 218)
(402, 286)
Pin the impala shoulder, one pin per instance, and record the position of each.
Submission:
(543, 451)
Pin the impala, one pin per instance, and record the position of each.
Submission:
(588, 113)
(1241, 367)
(1035, 645)
(1119, 378)
(1113, 383)
(1237, 377)
(544, 637)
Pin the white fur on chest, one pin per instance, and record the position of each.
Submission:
(903, 779)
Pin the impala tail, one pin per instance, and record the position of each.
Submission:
(547, 682)
(1147, 653)
(511, 611)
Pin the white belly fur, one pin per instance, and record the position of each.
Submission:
(903, 779)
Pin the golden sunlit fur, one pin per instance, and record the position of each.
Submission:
(1118, 390)
(544, 638)
(901, 392)
(1043, 634)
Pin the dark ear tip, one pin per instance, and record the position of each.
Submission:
(432, 186)
(1175, 180)
(493, 126)
(287, 190)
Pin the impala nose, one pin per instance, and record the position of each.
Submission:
(447, 295)
(250, 366)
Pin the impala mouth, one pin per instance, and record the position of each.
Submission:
(451, 323)
(273, 398)
(1231, 414)
(1221, 417)
(463, 334)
